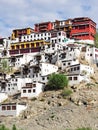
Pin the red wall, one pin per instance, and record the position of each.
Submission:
(86, 27)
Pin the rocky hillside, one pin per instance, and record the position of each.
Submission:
(52, 111)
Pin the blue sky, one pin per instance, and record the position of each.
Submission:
(25, 13)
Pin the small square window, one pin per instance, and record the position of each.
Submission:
(8, 107)
(3, 108)
(24, 91)
(29, 91)
(13, 107)
(75, 78)
(70, 78)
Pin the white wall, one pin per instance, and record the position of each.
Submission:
(38, 89)
(15, 40)
(79, 79)
(86, 68)
(3, 96)
(48, 69)
(36, 36)
(15, 85)
(80, 68)
(19, 109)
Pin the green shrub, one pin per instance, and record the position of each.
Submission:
(84, 128)
(33, 99)
(57, 81)
(66, 92)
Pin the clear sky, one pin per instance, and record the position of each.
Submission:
(25, 13)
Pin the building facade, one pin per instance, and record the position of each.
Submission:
(83, 28)
(11, 109)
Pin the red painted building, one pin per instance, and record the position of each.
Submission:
(83, 28)
(43, 27)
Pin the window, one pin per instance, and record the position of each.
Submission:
(34, 85)
(34, 91)
(68, 63)
(47, 77)
(78, 68)
(13, 107)
(59, 40)
(75, 69)
(70, 78)
(29, 91)
(90, 54)
(12, 79)
(75, 78)
(3, 108)
(64, 64)
(48, 38)
(8, 107)
(59, 33)
(24, 91)
(55, 40)
(43, 78)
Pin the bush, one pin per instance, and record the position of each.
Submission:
(33, 99)
(84, 128)
(66, 93)
(57, 81)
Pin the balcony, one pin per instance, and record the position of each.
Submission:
(25, 50)
(13, 52)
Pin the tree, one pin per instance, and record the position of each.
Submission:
(3, 127)
(96, 39)
(57, 81)
(4, 68)
(14, 127)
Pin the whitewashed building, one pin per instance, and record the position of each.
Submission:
(41, 71)
(4, 46)
(14, 85)
(11, 109)
(18, 60)
(31, 90)
(36, 36)
(91, 54)
(77, 78)
(58, 37)
(79, 72)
